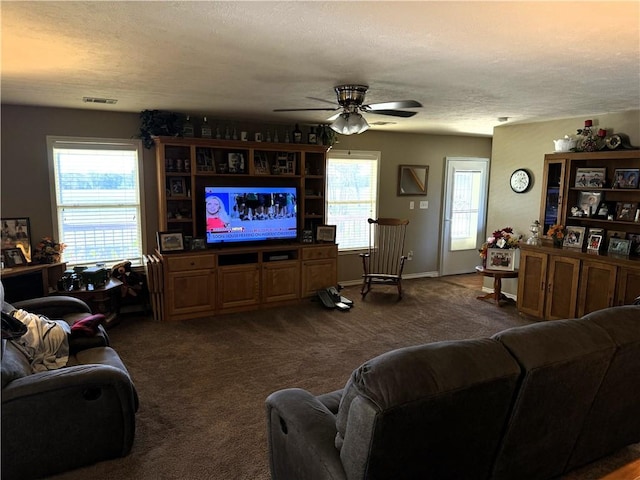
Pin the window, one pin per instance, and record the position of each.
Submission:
(96, 198)
(352, 196)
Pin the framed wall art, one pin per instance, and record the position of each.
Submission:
(16, 233)
(170, 242)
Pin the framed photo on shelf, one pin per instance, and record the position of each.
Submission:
(634, 238)
(501, 259)
(260, 163)
(574, 237)
(626, 177)
(13, 257)
(594, 242)
(198, 243)
(307, 236)
(590, 177)
(626, 211)
(170, 242)
(236, 163)
(619, 246)
(177, 187)
(16, 233)
(589, 202)
(326, 233)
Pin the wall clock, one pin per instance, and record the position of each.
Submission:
(520, 180)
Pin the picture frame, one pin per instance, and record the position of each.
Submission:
(198, 243)
(614, 234)
(594, 242)
(412, 179)
(590, 177)
(307, 236)
(236, 162)
(326, 233)
(626, 211)
(501, 259)
(589, 203)
(619, 246)
(634, 238)
(16, 233)
(574, 237)
(626, 177)
(204, 160)
(13, 257)
(177, 187)
(260, 163)
(170, 242)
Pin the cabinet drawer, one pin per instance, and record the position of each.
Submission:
(196, 262)
(318, 253)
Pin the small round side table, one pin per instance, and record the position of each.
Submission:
(497, 275)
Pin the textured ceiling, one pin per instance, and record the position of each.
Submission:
(468, 63)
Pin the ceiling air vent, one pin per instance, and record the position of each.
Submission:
(108, 101)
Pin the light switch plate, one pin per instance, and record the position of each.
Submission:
(424, 203)
(412, 205)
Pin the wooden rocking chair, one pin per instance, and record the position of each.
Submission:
(384, 261)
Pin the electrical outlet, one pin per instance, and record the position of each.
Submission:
(410, 255)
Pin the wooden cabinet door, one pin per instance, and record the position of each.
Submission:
(238, 286)
(597, 286)
(190, 292)
(628, 285)
(532, 281)
(562, 287)
(280, 281)
(317, 274)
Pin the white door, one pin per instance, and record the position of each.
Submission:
(464, 214)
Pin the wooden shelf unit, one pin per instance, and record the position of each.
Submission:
(556, 283)
(185, 165)
(202, 283)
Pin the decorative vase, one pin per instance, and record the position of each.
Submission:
(557, 242)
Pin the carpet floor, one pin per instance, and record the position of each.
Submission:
(202, 383)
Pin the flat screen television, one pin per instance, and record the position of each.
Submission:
(249, 214)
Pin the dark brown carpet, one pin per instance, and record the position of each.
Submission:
(202, 383)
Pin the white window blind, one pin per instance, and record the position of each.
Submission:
(97, 199)
(352, 195)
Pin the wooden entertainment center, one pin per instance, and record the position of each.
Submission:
(564, 282)
(211, 281)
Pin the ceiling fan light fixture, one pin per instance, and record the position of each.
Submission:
(349, 123)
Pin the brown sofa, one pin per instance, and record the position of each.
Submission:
(530, 402)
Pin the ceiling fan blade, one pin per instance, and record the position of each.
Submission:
(304, 109)
(393, 105)
(394, 113)
(322, 100)
(333, 117)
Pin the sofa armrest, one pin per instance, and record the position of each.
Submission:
(301, 435)
(86, 409)
(54, 306)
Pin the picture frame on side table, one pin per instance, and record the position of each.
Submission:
(326, 233)
(16, 233)
(13, 257)
(619, 246)
(501, 259)
(574, 237)
(170, 242)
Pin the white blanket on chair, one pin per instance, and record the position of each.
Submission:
(45, 343)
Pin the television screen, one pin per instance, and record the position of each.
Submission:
(248, 214)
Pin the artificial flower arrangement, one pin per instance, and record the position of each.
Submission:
(556, 232)
(48, 251)
(504, 238)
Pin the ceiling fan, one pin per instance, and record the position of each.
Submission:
(349, 119)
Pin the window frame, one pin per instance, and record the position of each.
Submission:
(97, 143)
(368, 155)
